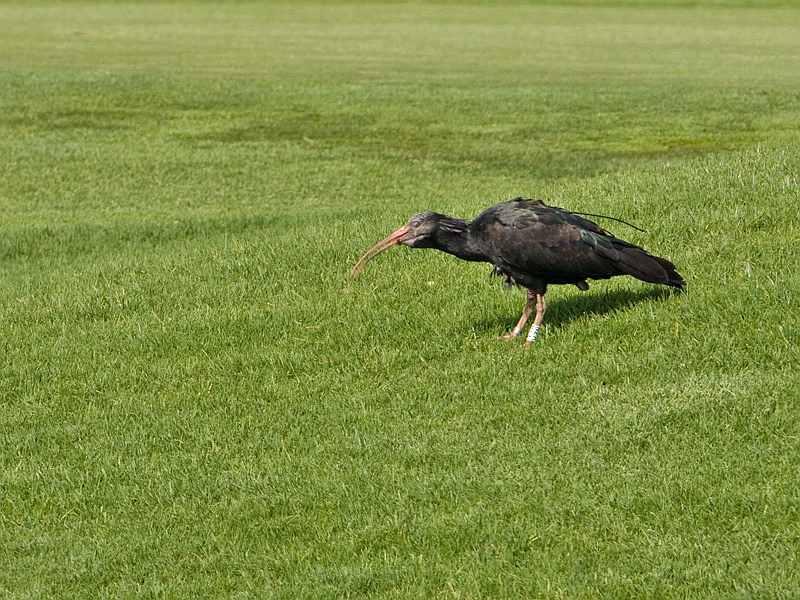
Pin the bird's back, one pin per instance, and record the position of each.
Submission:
(535, 245)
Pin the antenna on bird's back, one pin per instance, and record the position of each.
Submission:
(585, 214)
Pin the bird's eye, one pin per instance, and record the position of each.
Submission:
(415, 224)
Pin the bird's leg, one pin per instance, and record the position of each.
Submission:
(529, 306)
(541, 307)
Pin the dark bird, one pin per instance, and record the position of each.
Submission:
(533, 245)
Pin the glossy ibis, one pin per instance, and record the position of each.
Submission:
(533, 245)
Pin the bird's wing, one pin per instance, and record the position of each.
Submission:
(544, 242)
(537, 244)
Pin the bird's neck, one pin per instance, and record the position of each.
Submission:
(454, 237)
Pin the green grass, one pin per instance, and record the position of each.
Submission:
(196, 401)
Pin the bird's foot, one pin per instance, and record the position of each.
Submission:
(512, 334)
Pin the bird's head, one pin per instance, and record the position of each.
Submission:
(419, 232)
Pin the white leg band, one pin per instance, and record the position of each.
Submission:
(517, 331)
(533, 333)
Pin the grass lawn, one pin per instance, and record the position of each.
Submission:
(196, 401)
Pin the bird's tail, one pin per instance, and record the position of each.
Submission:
(639, 263)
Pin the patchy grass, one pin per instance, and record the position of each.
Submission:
(195, 400)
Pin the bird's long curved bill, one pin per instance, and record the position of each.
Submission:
(392, 240)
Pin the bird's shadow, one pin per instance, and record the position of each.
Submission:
(563, 310)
